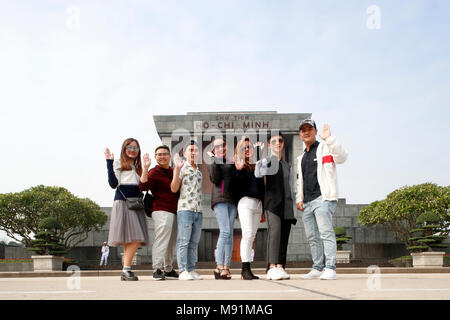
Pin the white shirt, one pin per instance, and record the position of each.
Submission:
(190, 189)
(105, 250)
(126, 177)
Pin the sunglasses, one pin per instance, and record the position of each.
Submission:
(247, 147)
(164, 154)
(132, 148)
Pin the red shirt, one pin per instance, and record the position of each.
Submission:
(159, 180)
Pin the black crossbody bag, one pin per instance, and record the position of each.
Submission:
(135, 203)
(148, 202)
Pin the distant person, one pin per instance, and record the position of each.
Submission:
(317, 195)
(187, 178)
(250, 191)
(105, 253)
(128, 228)
(278, 205)
(223, 203)
(164, 214)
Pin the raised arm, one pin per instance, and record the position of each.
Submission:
(112, 178)
(144, 183)
(337, 151)
(176, 181)
(266, 167)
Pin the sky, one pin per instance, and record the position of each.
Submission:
(79, 76)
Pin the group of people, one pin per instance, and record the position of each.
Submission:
(253, 191)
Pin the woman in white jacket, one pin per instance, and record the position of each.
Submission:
(317, 195)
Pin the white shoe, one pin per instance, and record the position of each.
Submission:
(274, 274)
(313, 274)
(185, 275)
(195, 275)
(328, 274)
(285, 274)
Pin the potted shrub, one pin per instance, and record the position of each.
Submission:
(342, 256)
(48, 245)
(427, 241)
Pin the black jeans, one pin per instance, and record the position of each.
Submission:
(278, 237)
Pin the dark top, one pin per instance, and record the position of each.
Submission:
(222, 175)
(311, 188)
(128, 190)
(278, 195)
(159, 180)
(247, 185)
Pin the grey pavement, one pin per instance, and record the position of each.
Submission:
(106, 285)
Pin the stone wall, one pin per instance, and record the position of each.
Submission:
(380, 241)
(17, 253)
(369, 243)
(16, 267)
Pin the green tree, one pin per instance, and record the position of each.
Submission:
(429, 235)
(47, 239)
(400, 211)
(21, 212)
(341, 237)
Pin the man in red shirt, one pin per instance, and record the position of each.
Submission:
(164, 211)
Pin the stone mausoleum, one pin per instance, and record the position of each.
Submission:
(369, 244)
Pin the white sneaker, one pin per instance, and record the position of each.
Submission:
(328, 274)
(285, 274)
(195, 275)
(185, 275)
(313, 274)
(274, 274)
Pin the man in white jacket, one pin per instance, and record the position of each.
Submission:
(317, 195)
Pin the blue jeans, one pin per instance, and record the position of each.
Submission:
(225, 214)
(317, 219)
(189, 232)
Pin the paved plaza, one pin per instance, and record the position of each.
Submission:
(349, 286)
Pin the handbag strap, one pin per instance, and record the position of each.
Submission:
(121, 192)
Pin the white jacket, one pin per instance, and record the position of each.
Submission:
(329, 152)
(105, 250)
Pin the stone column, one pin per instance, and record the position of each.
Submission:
(166, 141)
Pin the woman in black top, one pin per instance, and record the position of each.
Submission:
(250, 191)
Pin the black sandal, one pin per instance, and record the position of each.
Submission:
(217, 274)
(226, 276)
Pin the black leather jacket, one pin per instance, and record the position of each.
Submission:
(222, 176)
